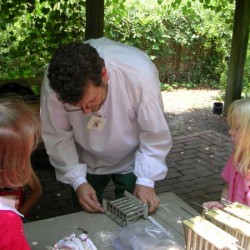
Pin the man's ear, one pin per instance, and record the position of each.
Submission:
(105, 76)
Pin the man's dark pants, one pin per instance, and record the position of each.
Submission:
(122, 183)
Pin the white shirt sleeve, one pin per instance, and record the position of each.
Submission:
(58, 138)
(155, 137)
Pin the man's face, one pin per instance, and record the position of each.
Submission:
(92, 100)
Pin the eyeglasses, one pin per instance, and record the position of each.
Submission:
(70, 108)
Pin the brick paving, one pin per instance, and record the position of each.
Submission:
(194, 163)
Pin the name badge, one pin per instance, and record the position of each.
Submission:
(96, 123)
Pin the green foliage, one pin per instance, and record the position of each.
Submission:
(184, 42)
(189, 40)
(32, 30)
(246, 79)
(35, 88)
(165, 86)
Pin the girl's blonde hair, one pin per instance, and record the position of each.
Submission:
(19, 124)
(239, 119)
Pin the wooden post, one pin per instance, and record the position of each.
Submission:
(94, 19)
(238, 52)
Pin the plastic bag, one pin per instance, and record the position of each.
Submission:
(144, 236)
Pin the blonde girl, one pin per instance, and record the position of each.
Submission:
(236, 173)
(19, 135)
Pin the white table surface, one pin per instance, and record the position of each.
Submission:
(43, 234)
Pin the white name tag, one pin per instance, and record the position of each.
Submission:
(96, 123)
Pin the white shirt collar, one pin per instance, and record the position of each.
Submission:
(8, 204)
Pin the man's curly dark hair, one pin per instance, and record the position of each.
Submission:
(72, 67)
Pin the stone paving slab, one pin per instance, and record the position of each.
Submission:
(195, 162)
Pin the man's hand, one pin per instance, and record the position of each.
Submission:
(147, 195)
(87, 198)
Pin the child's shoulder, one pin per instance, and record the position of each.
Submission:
(9, 220)
(11, 229)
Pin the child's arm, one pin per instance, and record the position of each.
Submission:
(212, 204)
(35, 194)
(217, 204)
(224, 193)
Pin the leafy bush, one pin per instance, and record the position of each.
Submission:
(32, 30)
(187, 40)
(246, 79)
(184, 42)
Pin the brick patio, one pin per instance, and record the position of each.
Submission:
(195, 163)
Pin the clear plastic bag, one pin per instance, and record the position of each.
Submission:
(144, 235)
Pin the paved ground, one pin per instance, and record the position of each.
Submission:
(195, 163)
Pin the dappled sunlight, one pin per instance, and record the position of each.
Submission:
(198, 230)
(191, 111)
(183, 100)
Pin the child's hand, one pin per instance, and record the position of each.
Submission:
(212, 204)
